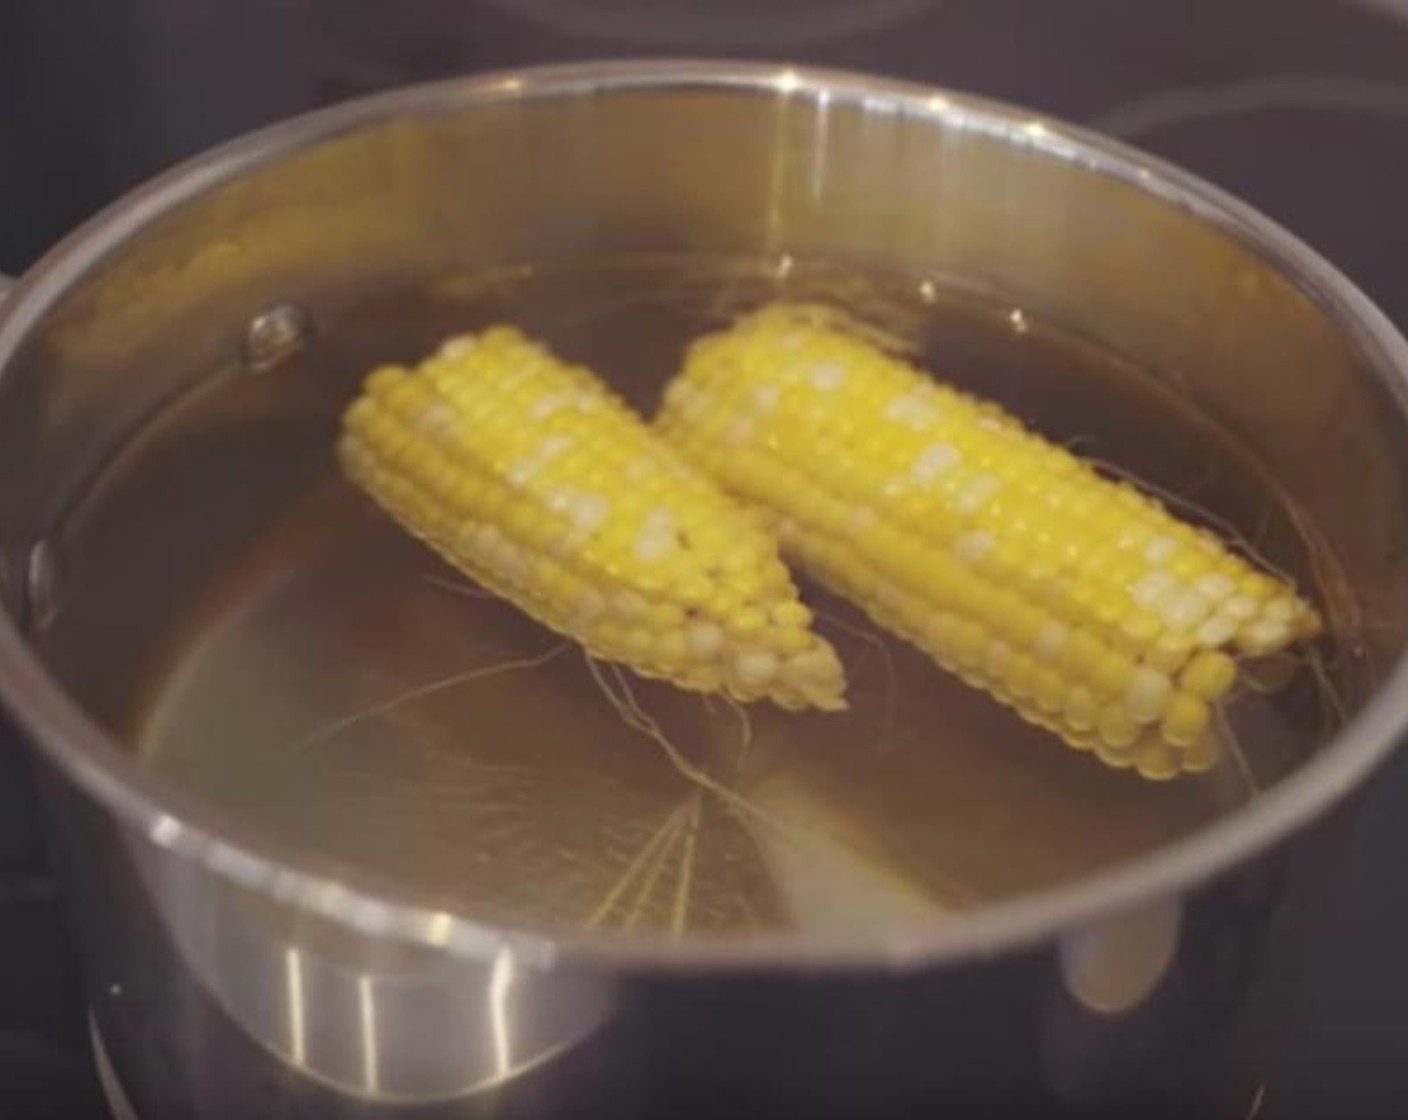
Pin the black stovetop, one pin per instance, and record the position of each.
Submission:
(1300, 106)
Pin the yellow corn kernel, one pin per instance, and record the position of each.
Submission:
(1208, 675)
(1080, 601)
(1186, 720)
(1156, 760)
(532, 478)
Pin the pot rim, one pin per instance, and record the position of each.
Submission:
(182, 825)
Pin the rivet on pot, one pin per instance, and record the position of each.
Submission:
(1111, 966)
(275, 335)
(42, 584)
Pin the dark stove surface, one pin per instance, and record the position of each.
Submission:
(1299, 106)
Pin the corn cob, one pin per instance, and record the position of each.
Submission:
(1075, 599)
(531, 477)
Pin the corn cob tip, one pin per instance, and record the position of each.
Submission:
(532, 478)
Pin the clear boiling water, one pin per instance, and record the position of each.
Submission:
(298, 661)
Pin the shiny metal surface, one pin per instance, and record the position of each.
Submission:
(396, 194)
(382, 1022)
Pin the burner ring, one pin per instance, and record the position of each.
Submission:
(113, 1092)
(766, 24)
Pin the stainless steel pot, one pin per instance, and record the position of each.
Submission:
(236, 975)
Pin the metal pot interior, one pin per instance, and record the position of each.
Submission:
(203, 582)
